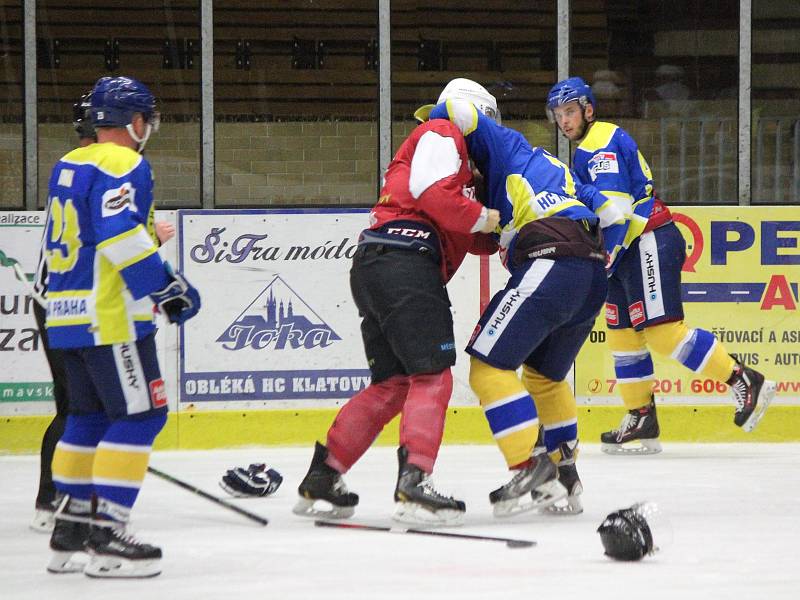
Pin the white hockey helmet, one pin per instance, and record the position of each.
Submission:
(466, 89)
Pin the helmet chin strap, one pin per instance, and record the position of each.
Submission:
(141, 141)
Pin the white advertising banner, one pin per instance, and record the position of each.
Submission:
(25, 382)
(278, 322)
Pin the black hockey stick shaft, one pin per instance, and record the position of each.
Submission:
(207, 496)
(510, 542)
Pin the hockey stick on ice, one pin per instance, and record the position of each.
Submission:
(510, 542)
(207, 496)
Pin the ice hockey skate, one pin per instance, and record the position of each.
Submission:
(752, 395)
(323, 493)
(117, 554)
(568, 476)
(637, 434)
(418, 502)
(68, 540)
(533, 487)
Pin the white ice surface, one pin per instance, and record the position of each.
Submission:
(732, 515)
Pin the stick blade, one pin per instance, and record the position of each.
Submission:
(520, 543)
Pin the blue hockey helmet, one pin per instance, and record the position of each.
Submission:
(569, 90)
(116, 99)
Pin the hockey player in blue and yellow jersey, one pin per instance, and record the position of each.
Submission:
(644, 248)
(551, 244)
(105, 274)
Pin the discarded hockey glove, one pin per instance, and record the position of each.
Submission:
(179, 301)
(255, 480)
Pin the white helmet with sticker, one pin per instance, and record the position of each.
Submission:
(466, 89)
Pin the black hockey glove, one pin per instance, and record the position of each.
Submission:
(256, 480)
(179, 301)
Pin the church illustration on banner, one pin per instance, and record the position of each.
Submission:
(278, 319)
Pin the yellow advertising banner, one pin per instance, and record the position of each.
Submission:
(740, 281)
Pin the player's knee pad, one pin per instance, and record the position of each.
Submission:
(366, 413)
(73, 459)
(362, 418)
(491, 384)
(690, 347)
(381, 402)
(554, 399)
(425, 406)
(437, 387)
(667, 338)
(508, 407)
(424, 412)
(625, 340)
(140, 430)
(555, 403)
(85, 430)
(696, 349)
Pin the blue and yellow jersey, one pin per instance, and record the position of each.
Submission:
(102, 253)
(523, 183)
(618, 185)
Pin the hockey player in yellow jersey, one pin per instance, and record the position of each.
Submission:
(646, 250)
(104, 276)
(551, 244)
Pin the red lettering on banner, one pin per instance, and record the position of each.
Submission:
(636, 312)
(612, 314)
(778, 294)
(158, 393)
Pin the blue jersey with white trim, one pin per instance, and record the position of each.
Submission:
(523, 183)
(616, 182)
(102, 253)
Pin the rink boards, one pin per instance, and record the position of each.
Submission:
(276, 348)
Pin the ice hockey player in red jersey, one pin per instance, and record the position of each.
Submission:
(425, 222)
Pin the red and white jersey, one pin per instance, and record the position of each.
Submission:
(429, 180)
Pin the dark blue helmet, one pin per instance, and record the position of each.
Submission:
(573, 89)
(116, 99)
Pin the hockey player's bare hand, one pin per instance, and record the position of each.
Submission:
(165, 231)
(492, 221)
